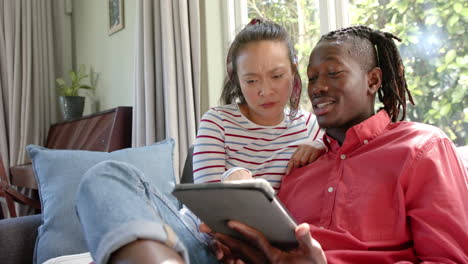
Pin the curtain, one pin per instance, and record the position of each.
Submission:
(27, 101)
(167, 74)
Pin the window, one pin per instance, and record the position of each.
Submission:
(433, 49)
(434, 53)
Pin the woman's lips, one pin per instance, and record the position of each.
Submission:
(268, 105)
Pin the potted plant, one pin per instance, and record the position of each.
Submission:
(72, 104)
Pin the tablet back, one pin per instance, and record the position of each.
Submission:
(250, 202)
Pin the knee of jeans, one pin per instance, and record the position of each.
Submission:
(108, 172)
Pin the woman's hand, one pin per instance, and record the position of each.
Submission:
(238, 174)
(259, 250)
(305, 154)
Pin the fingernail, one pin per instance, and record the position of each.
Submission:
(232, 224)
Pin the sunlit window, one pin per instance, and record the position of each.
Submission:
(434, 49)
(434, 53)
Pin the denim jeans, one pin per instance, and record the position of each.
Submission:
(117, 205)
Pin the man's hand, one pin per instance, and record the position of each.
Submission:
(305, 154)
(259, 250)
(221, 251)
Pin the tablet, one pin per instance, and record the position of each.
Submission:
(252, 202)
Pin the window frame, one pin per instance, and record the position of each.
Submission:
(333, 14)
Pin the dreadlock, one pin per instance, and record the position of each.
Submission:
(375, 48)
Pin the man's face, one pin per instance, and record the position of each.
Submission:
(338, 88)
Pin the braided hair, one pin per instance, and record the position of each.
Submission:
(375, 48)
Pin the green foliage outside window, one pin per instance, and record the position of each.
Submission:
(434, 49)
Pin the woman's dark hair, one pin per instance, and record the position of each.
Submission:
(257, 30)
(375, 48)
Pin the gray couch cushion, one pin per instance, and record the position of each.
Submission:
(17, 239)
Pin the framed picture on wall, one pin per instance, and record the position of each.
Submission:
(116, 16)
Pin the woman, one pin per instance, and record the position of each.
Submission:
(255, 134)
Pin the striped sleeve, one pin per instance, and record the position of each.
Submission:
(209, 156)
(315, 132)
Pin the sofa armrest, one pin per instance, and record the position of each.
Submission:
(18, 237)
(187, 173)
(463, 151)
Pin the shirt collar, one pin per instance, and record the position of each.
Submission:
(361, 133)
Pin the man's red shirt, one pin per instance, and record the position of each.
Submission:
(392, 192)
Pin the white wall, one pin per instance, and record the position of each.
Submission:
(112, 57)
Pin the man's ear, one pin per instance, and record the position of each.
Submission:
(374, 80)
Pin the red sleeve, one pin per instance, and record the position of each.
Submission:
(436, 197)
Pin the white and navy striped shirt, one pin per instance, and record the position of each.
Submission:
(227, 139)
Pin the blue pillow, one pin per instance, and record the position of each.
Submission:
(58, 174)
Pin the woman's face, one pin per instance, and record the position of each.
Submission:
(265, 77)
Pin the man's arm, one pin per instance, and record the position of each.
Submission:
(436, 196)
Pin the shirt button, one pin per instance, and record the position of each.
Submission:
(330, 189)
(366, 141)
(343, 156)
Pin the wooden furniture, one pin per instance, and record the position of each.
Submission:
(11, 194)
(103, 131)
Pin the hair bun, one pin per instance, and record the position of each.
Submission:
(255, 21)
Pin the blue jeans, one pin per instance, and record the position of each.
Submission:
(117, 205)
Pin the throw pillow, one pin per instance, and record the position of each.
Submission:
(58, 174)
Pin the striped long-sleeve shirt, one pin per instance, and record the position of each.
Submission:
(227, 139)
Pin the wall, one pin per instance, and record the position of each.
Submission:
(112, 57)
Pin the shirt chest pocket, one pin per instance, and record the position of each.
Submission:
(372, 210)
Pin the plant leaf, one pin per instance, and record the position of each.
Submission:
(60, 81)
(86, 87)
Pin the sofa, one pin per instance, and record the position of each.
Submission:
(18, 235)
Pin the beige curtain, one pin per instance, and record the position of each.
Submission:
(167, 74)
(27, 102)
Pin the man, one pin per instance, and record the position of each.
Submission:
(385, 191)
